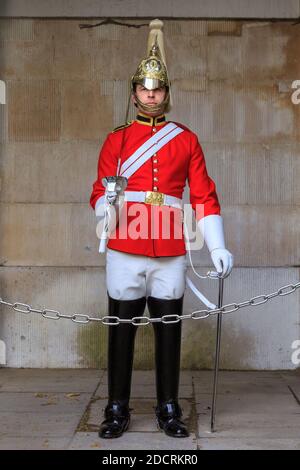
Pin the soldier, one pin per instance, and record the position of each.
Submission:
(142, 265)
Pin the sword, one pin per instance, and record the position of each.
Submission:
(115, 187)
(217, 355)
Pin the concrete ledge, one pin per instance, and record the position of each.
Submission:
(141, 8)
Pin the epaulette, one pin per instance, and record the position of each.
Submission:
(182, 126)
(128, 123)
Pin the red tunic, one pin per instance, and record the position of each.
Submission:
(166, 171)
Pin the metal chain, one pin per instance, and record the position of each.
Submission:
(139, 321)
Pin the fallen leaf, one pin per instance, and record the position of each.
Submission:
(49, 402)
(72, 395)
(46, 443)
(96, 444)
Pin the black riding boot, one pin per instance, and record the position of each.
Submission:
(120, 360)
(167, 364)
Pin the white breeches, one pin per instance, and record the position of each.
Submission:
(130, 277)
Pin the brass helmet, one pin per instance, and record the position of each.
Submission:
(152, 71)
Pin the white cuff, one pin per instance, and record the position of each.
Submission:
(212, 231)
(100, 207)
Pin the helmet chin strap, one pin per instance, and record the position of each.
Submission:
(157, 108)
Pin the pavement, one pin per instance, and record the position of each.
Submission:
(62, 409)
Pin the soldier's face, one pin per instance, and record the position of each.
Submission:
(150, 97)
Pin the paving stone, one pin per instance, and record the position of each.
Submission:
(255, 410)
(49, 380)
(132, 441)
(275, 417)
(250, 425)
(244, 387)
(248, 444)
(147, 377)
(70, 402)
(240, 389)
(146, 391)
(33, 443)
(50, 373)
(292, 381)
(268, 403)
(37, 424)
(138, 422)
(239, 382)
(235, 376)
(143, 423)
(142, 414)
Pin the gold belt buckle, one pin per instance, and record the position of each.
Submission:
(154, 198)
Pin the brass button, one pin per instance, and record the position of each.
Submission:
(155, 188)
(154, 130)
(155, 170)
(155, 161)
(155, 179)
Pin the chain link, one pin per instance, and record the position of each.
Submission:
(81, 318)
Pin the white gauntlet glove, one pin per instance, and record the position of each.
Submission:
(223, 261)
(212, 231)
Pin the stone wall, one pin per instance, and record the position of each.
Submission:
(66, 88)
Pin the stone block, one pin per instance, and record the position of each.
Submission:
(112, 59)
(49, 172)
(3, 125)
(34, 111)
(262, 174)
(13, 29)
(33, 341)
(224, 28)
(85, 113)
(65, 235)
(264, 50)
(224, 58)
(252, 338)
(27, 60)
(258, 236)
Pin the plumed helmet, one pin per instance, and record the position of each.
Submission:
(152, 71)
